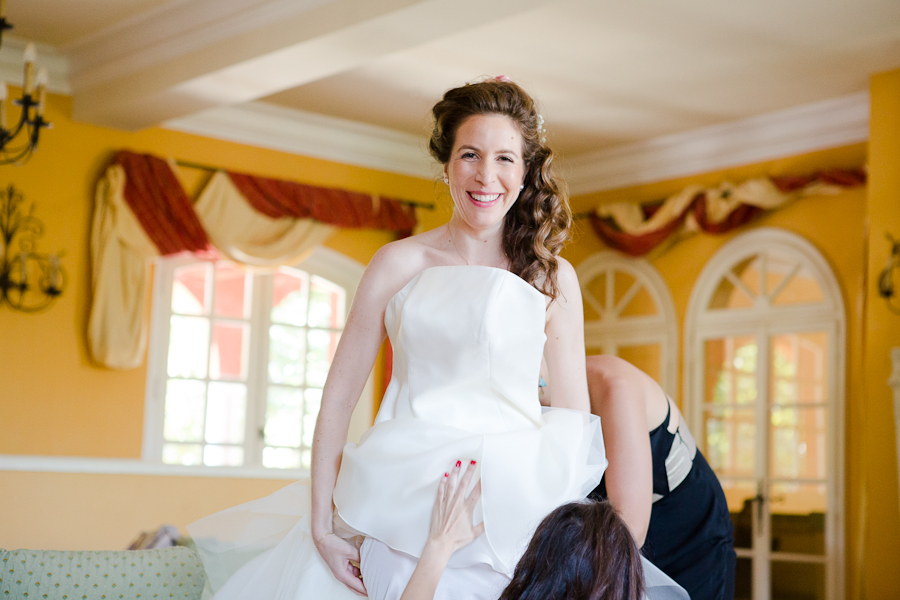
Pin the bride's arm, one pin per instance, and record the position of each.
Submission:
(564, 350)
(350, 368)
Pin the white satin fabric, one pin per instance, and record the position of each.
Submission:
(467, 342)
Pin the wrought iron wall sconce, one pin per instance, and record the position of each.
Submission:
(29, 281)
(886, 280)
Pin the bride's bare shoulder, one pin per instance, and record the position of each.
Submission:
(396, 263)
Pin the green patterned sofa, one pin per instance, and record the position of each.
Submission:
(173, 572)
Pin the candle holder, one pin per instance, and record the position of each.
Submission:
(886, 280)
(27, 130)
(29, 281)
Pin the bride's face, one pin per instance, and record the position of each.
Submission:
(485, 169)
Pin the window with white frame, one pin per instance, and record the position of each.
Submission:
(764, 388)
(238, 358)
(628, 312)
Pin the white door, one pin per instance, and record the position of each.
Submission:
(764, 383)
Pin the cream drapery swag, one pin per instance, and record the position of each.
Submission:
(142, 213)
(636, 229)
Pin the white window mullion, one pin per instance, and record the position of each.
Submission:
(257, 377)
(834, 426)
(762, 568)
(211, 308)
(157, 362)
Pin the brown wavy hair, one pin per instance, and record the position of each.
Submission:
(537, 225)
(580, 551)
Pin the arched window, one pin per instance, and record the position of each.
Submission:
(238, 359)
(628, 312)
(764, 391)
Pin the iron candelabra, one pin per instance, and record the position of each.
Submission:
(29, 281)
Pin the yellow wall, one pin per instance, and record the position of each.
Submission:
(54, 401)
(882, 333)
(78, 511)
(836, 225)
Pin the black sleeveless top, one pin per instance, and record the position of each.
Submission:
(690, 535)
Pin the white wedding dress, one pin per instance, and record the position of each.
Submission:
(467, 343)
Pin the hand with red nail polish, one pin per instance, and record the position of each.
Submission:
(451, 529)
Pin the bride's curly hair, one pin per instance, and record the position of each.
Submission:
(537, 225)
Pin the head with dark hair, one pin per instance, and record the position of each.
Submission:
(580, 551)
(537, 225)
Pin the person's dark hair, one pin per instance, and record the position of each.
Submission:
(537, 225)
(580, 551)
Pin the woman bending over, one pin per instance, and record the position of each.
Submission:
(580, 551)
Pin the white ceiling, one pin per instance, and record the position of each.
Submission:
(611, 77)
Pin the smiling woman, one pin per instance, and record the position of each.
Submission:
(470, 308)
(491, 140)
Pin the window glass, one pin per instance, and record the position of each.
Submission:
(188, 346)
(290, 296)
(228, 354)
(211, 388)
(287, 351)
(233, 287)
(190, 289)
(646, 357)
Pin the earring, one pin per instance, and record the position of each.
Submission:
(446, 180)
(521, 187)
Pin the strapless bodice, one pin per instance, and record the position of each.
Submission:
(467, 343)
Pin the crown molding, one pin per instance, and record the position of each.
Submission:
(340, 140)
(801, 129)
(12, 60)
(817, 126)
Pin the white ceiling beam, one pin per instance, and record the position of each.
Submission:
(175, 67)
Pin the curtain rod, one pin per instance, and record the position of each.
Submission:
(202, 167)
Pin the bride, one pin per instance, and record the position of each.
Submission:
(476, 298)
(470, 309)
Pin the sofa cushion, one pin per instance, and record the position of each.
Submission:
(109, 575)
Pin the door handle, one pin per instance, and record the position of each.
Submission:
(758, 500)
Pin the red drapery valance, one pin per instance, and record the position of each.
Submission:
(166, 213)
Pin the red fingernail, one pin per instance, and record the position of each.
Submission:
(458, 463)
(446, 474)
(472, 463)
